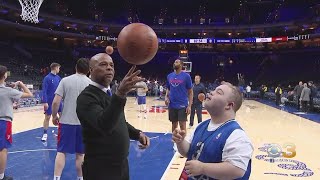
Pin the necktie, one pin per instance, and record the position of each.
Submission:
(109, 92)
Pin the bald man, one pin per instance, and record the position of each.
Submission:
(106, 134)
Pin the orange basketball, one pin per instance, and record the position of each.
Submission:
(201, 97)
(137, 43)
(109, 50)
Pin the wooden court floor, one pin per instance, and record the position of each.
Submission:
(262, 123)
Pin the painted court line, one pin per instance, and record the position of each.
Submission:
(154, 137)
(31, 150)
(169, 165)
(149, 138)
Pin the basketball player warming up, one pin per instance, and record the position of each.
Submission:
(218, 148)
(179, 92)
(69, 128)
(142, 89)
(7, 96)
(50, 85)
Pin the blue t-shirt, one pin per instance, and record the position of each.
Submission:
(178, 84)
(49, 86)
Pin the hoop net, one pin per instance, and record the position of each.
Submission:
(30, 10)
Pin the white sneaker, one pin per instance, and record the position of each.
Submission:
(44, 137)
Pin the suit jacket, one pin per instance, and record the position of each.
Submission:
(106, 133)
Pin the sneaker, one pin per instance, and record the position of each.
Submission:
(190, 126)
(7, 178)
(44, 137)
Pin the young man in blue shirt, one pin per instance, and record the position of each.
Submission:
(218, 148)
(49, 87)
(179, 96)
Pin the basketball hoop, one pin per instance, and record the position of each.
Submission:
(30, 10)
(187, 67)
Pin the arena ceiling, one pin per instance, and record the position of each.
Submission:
(217, 12)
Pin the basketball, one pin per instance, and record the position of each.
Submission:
(137, 43)
(109, 50)
(201, 97)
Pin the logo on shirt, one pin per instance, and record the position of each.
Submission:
(218, 136)
(176, 82)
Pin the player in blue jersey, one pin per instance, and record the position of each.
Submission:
(179, 96)
(49, 86)
(218, 148)
(142, 90)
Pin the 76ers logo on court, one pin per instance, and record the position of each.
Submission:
(176, 82)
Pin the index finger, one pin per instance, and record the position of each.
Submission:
(177, 135)
(134, 74)
(176, 130)
(131, 70)
(187, 165)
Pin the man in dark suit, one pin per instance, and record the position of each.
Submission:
(106, 134)
(196, 106)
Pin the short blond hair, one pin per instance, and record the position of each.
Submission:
(54, 65)
(237, 96)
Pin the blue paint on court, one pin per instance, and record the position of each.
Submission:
(293, 110)
(38, 163)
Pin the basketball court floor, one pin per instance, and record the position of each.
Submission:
(29, 158)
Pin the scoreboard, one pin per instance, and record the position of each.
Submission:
(198, 41)
(221, 40)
